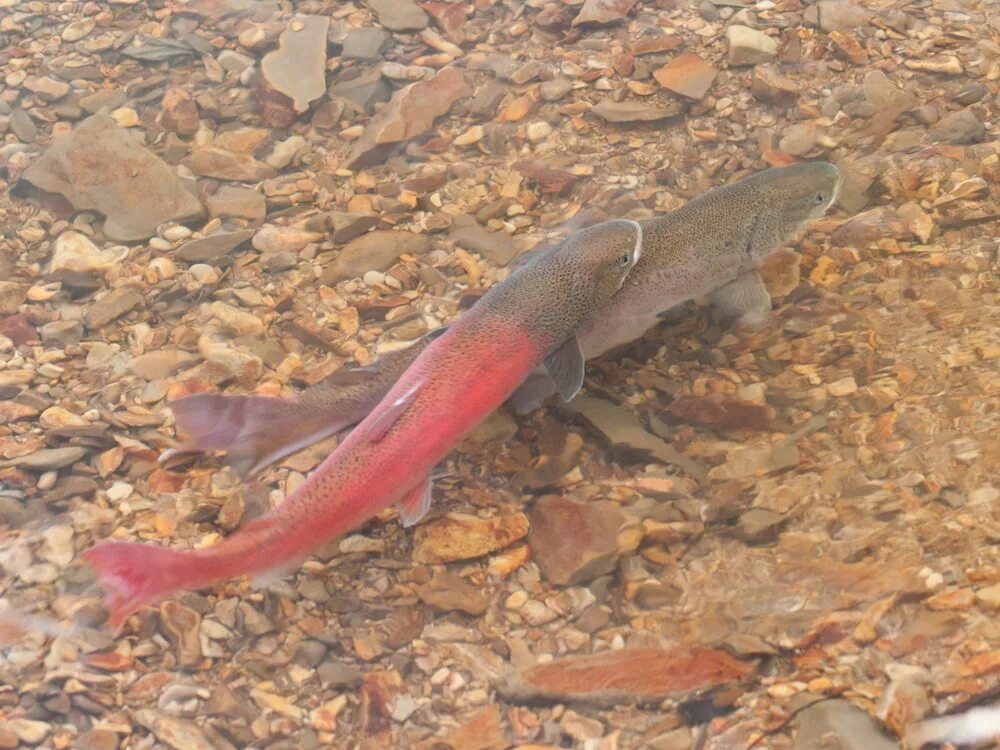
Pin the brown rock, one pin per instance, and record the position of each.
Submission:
(212, 247)
(297, 68)
(399, 15)
(97, 739)
(768, 85)
(645, 676)
(161, 364)
(457, 536)
(239, 202)
(410, 112)
(626, 112)
(112, 306)
(688, 75)
(625, 432)
(180, 112)
(449, 17)
(648, 45)
(178, 734)
(212, 161)
(574, 543)
(498, 246)
(719, 411)
(483, 731)
(447, 592)
(603, 11)
(99, 166)
(374, 251)
(549, 179)
(180, 624)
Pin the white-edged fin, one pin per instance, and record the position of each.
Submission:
(383, 422)
(267, 578)
(537, 387)
(413, 506)
(565, 366)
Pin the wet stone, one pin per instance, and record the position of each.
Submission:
(112, 306)
(958, 127)
(574, 542)
(399, 15)
(212, 247)
(366, 43)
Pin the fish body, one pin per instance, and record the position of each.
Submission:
(712, 245)
(455, 382)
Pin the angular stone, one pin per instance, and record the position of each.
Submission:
(572, 542)
(644, 676)
(449, 17)
(344, 227)
(556, 89)
(457, 536)
(297, 68)
(365, 89)
(76, 252)
(759, 526)
(719, 412)
(239, 202)
(109, 99)
(447, 592)
(181, 624)
(179, 734)
(837, 15)
(375, 251)
(212, 161)
(112, 306)
(365, 43)
(625, 112)
(410, 112)
(838, 725)
(47, 88)
(749, 46)
(49, 459)
(799, 139)
(958, 127)
(688, 75)
(399, 15)
(23, 126)
(271, 238)
(768, 85)
(179, 113)
(467, 233)
(99, 166)
(212, 247)
(603, 11)
(161, 364)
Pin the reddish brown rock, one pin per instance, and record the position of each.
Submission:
(722, 412)
(449, 17)
(688, 75)
(447, 592)
(212, 161)
(100, 166)
(180, 112)
(646, 675)
(297, 68)
(483, 731)
(768, 85)
(574, 542)
(549, 179)
(603, 11)
(462, 537)
(410, 112)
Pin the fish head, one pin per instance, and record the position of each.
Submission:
(608, 252)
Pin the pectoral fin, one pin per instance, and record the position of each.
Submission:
(565, 366)
(413, 506)
(389, 415)
(745, 298)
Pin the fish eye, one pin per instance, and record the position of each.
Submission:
(625, 260)
(819, 198)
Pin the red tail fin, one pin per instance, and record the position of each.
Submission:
(254, 430)
(137, 574)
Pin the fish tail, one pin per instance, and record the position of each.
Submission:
(136, 574)
(255, 431)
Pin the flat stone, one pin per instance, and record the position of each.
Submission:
(47, 88)
(374, 251)
(339, 674)
(769, 85)
(839, 725)
(411, 111)
(212, 247)
(344, 227)
(749, 46)
(799, 139)
(631, 676)
(181, 624)
(839, 15)
(498, 246)
(12, 295)
(109, 99)
(366, 43)
(179, 734)
(759, 525)
(161, 364)
(74, 251)
(449, 592)
(482, 731)
(179, 113)
(623, 431)
(112, 306)
(688, 75)
(603, 11)
(628, 111)
(239, 202)
(23, 126)
(213, 161)
(365, 89)
(556, 89)
(235, 62)
(28, 731)
(100, 166)
(572, 542)
(49, 459)
(97, 739)
(958, 127)
(271, 238)
(297, 68)
(458, 536)
(399, 15)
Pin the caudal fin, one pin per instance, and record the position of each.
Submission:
(255, 431)
(137, 574)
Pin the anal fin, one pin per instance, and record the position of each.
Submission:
(413, 506)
